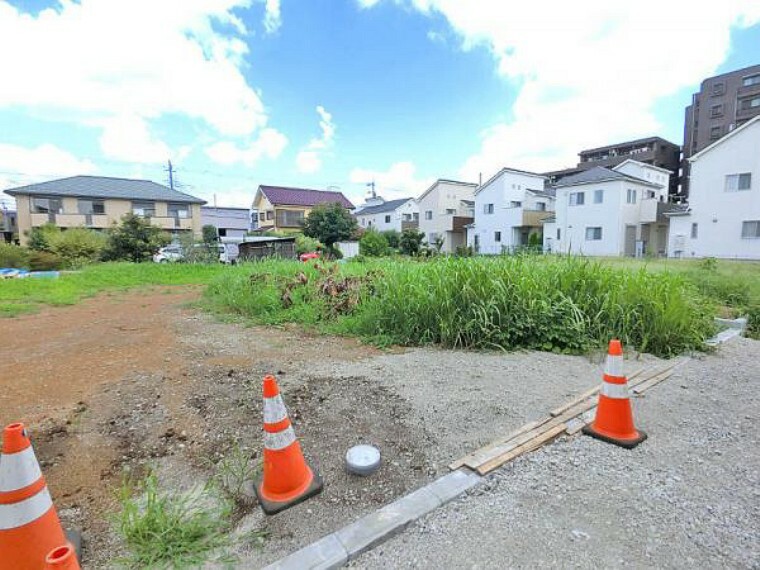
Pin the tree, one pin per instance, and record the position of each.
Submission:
(392, 237)
(77, 246)
(135, 239)
(410, 241)
(329, 223)
(41, 237)
(210, 235)
(373, 244)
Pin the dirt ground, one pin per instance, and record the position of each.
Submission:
(127, 381)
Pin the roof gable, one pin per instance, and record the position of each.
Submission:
(389, 206)
(725, 138)
(105, 187)
(600, 174)
(286, 196)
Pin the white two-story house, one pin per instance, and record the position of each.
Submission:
(445, 209)
(508, 209)
(723, 215)
(611, 212)
(395, 215)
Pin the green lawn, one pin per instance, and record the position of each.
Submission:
(19, 296)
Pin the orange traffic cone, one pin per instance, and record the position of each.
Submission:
(29, 526)
(287, 478)
(614, 417)
(62, 558)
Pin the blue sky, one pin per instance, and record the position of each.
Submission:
(324, 93)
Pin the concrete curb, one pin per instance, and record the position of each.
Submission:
(336, 549)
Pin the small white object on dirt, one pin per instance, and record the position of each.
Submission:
(363, 459)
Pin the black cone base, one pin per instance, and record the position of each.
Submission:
(626, 443)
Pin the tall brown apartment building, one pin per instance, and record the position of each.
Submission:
(723, 103)
(652, 150)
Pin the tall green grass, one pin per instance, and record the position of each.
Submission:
(534, 302)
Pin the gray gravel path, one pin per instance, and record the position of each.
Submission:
(688, 496)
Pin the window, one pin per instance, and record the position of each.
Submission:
(416, 216)
(270, 215)
(541, 206)
(497, 237)
(387, 219)
(593, 234)
(47, 206)
(407, 217)
(751, 80)
(714, 133)
(577, 198)
(144, 209)
(451, 211)
(559, 234)
(262, 216)
(289, 218)
(222, 232)
(178, 210)
(488, 208)
(694, 231)
(716, 110)
(91, 206)
(746, 104)
(650, 193)
(751, 229)
(598, 196)
(736, 182)
(515, 204)
(631, 196)
(718, 88)
(428, 214)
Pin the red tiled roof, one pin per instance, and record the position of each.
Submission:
(279, 195)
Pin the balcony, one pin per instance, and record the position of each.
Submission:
(533, 218)
(653, 211)
(410, 225)
(171, 223)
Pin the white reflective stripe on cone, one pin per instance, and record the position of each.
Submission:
(616, 391)
(18, 470)
(26, 511)
(274, 410)
(279, 440)
(614, 366)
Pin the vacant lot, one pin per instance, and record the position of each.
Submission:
(133, 378)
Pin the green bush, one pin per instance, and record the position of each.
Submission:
(373, 244)
(40, 237)
(393, 238)
(13, 256)
(753, 321)
(77, 246)
(45, 261)
(305, 244)
(410, 242)
(135, 239)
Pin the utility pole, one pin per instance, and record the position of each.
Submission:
(171, 172)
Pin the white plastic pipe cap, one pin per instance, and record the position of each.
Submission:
(362, 459)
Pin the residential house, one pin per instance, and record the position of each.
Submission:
(284, 209)
(508, 209)
(611, 212)
(8, 222)
(445, 209)
(723, 215)
(396, 215)
(229, 222)
(98, 202)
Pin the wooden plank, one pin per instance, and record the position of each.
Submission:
(571, 409)
(531, 445)
(579, 422)
(463, 460)
(643, 387)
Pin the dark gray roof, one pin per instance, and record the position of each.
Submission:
(599, 174)
(388, 206)
(546, 192)
(106, 188)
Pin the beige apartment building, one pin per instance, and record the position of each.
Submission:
(99, 202)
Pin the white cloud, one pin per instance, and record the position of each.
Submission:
(309, 159)
(21, 165)
(272, 17)
(269, 144)
(99, 61)
(587, 73)
(128, 138)
(399, 181)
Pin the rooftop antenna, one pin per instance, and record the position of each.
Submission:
(372, 185)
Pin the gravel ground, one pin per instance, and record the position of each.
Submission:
(688, 496)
